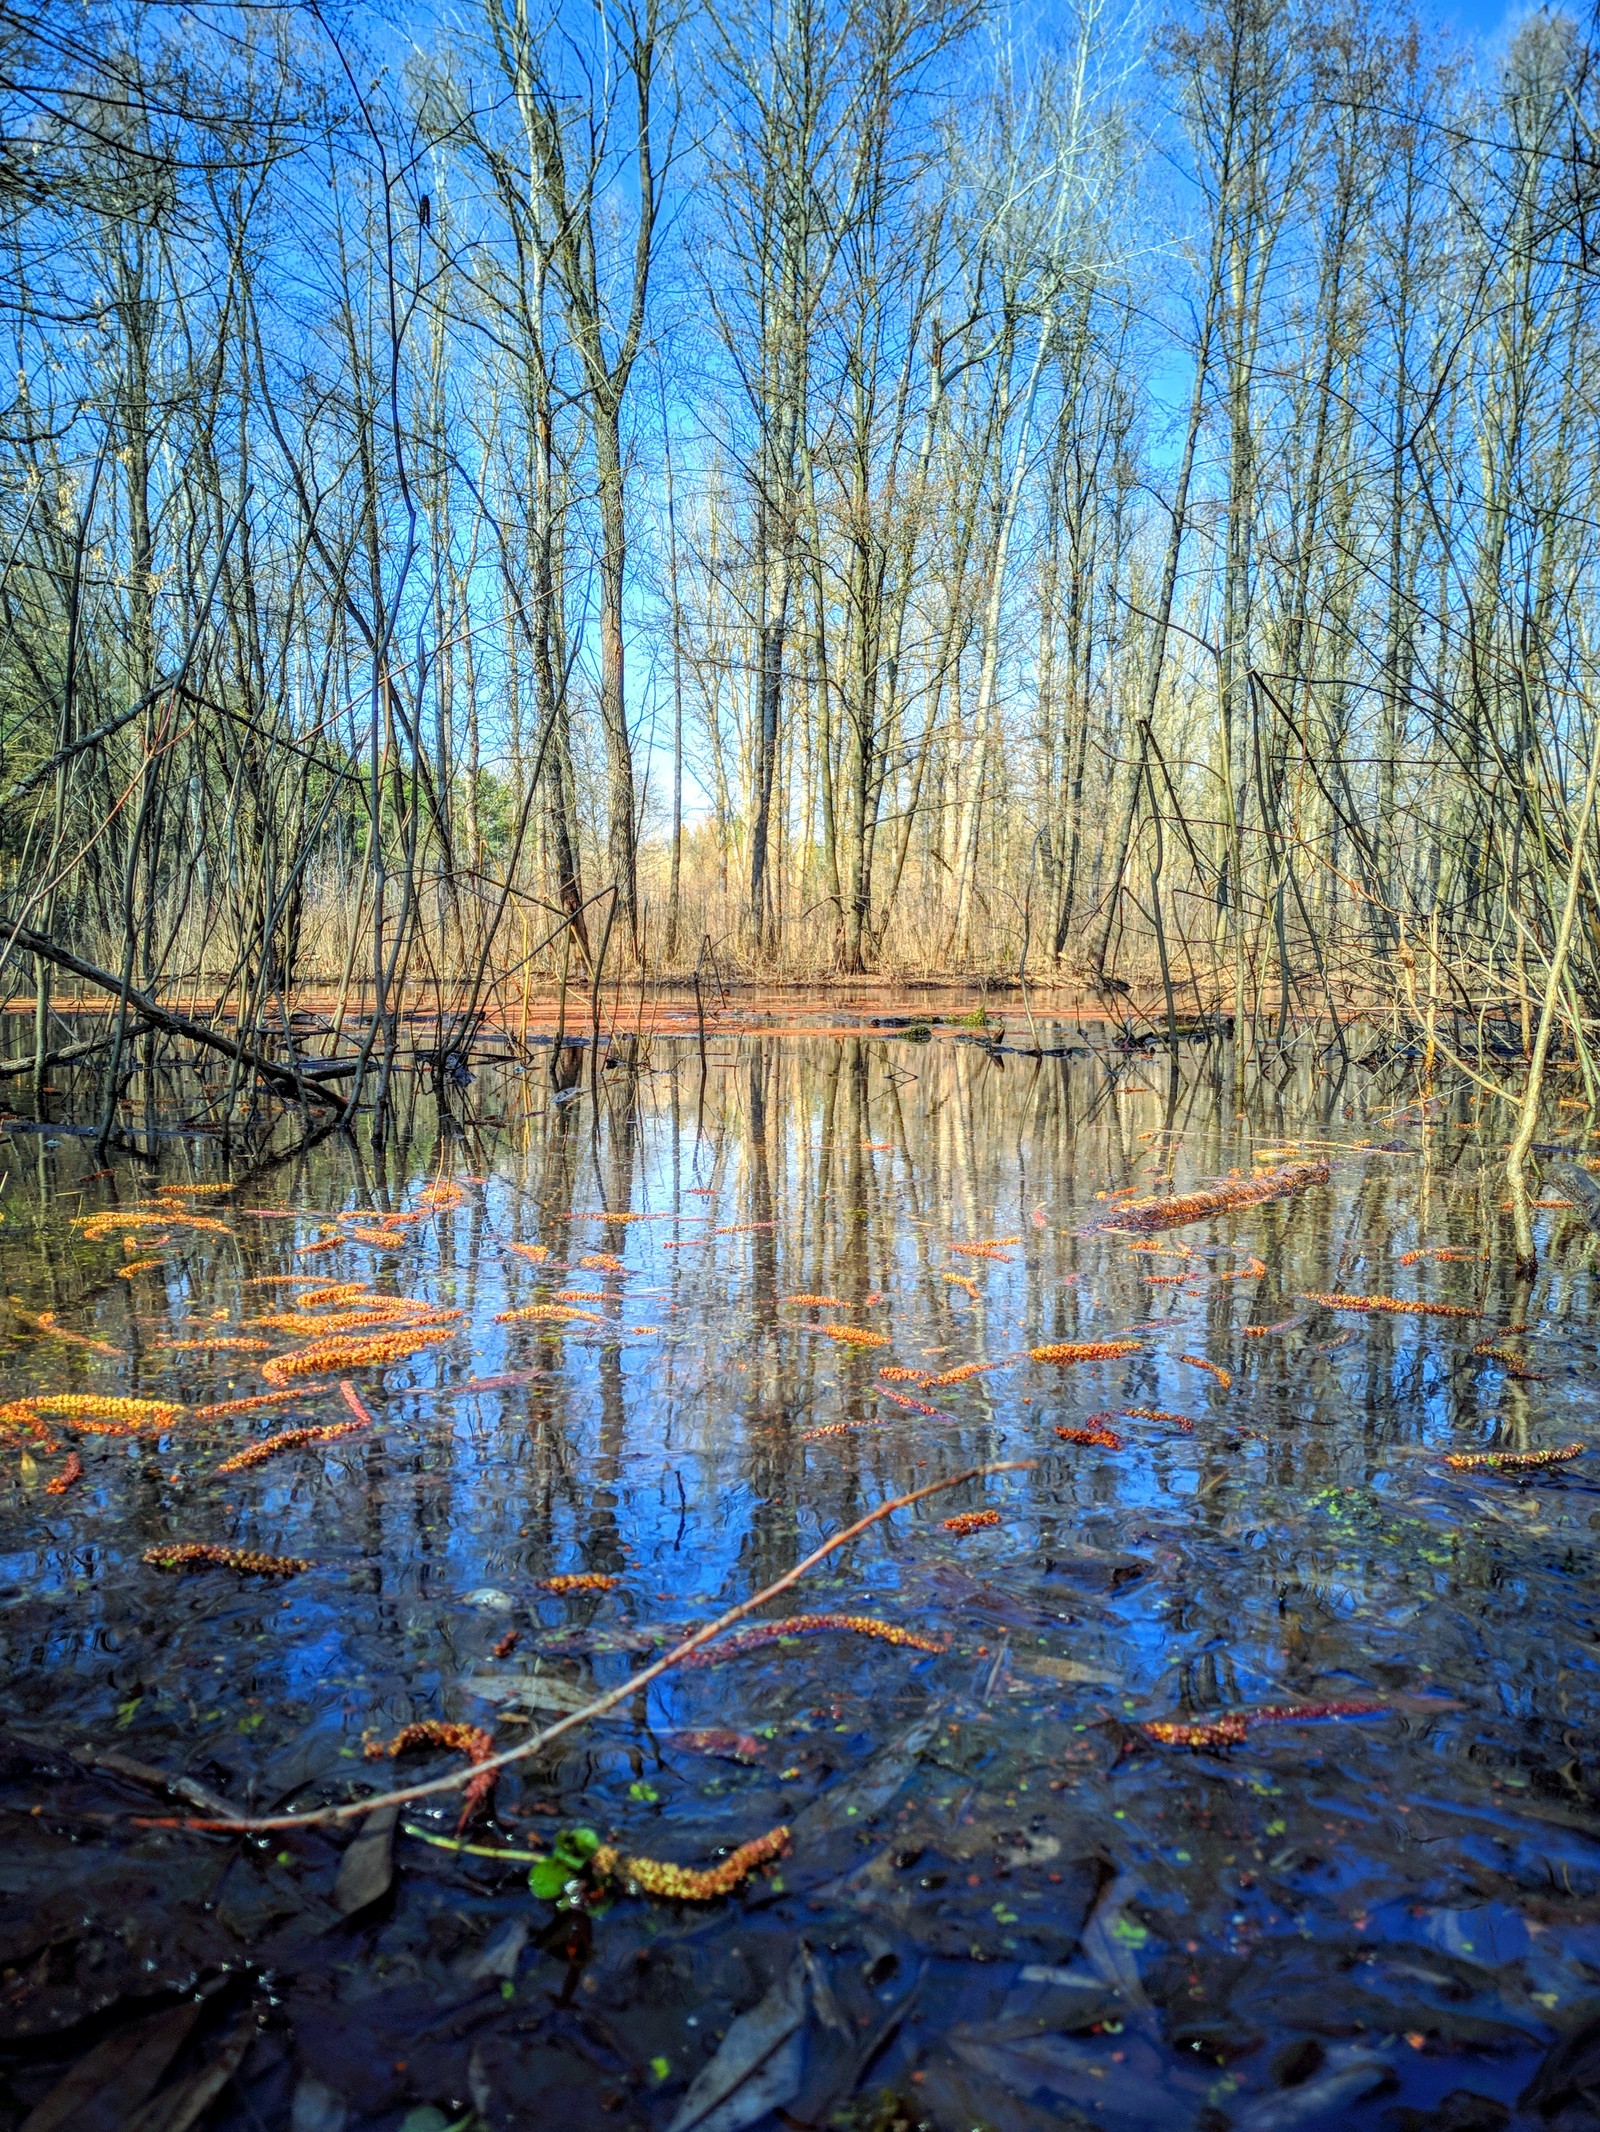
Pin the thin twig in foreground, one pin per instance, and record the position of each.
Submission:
(325, 1816)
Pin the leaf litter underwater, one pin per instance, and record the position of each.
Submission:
(1226, 1762)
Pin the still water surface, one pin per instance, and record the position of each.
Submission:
(1003, 1904)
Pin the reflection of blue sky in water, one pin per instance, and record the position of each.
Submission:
(1302, 1541)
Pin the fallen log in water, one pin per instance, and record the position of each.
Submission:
(287, 1079)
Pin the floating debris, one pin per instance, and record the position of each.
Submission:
(470, 1740)
(1392, 1304)
(1145, 1216)
(548, 1314)
(1254, 1270)
(376, 1351)
(1233, 1726)
(912, 1406)
(1107, 1439)
(675, 1883)
(382, 1311)
(216, 1343)
(587, 1580)
(1223, 1376)
(960, 1376)
(1064, 1351)
(1514, 1365)
(854, 1335)
(200, 1554)
(770, 1632)
(441, 1196)
(721, 1740)
(970, 1521)
(1512, 1461)
(95, 1227)
(72, 1471)
(96, 1414)
(288, 1440)
(324, 1294)
(258, 1400)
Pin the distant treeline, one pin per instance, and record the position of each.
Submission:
(850, 481)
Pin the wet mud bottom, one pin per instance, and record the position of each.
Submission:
(1228, 1763)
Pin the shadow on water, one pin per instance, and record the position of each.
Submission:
(1003, 1903)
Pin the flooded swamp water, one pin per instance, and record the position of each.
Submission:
(1230, 1764)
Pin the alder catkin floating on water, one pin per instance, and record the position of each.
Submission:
(95, 1227)
(548, 1314)
(854, 1335)
(438, 1197)
(257, 1400)
(1231, 1728)
(19, 1424)
(470, 1740)
(1146, 1216)
(675, 1883)
(216, 1343)
(1393, 1305)
(97, 1415)
(288, 1440)
(375, 1351)
(322, 1294)
(970, 1521)
(1223, 1377)
(1514, 1365)
(1512, 1461)
(1064, 1351)
(1107, 1439)
(396, 1311)
(200, 1554)
(912, 1406)
(1252, 1271)
(961, 1374)
(1181, 1421)
(586, 1580)
(817, 1302)
(770, 1632)
(72, 1471)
